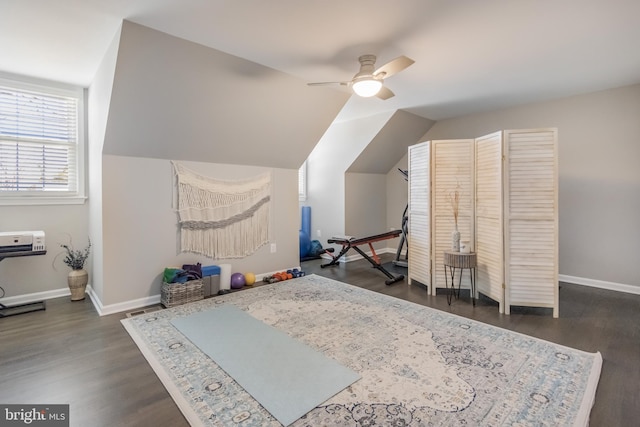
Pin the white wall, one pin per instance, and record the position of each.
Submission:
(326, 166)
(140, 230)
(599, 178)
(99, 102)
(352, 162)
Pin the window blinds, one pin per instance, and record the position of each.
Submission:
(38, 142)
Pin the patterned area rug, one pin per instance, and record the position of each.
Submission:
(419, 366)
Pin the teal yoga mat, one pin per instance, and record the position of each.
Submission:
(287, 377)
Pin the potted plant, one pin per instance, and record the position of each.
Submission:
(78, 276)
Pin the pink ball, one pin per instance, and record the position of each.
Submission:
(237, 280)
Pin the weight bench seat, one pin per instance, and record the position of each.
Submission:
(349, 243)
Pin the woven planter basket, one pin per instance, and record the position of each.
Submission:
(77, 280)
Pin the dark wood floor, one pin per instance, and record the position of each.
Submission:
(69, 354)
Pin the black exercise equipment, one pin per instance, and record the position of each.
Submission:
(353, 243)
(405, 233)
(13, 310)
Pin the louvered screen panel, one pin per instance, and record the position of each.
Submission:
(531, 200)
(489, 237)
(453, 168)
(419, 238)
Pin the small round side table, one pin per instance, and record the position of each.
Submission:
(460, 261)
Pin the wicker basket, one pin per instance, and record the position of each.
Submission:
(173, 294)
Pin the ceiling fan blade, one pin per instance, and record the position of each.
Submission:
(384, 93)
(329, 83)
(394, 66)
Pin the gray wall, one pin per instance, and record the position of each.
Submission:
(366, 213)
(174, 99)
(160, 98)
(401, 130)
(43, 274)
(397, 191)
(599, 178)
(154, 99)
(140, 230)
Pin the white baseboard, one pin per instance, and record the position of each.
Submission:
(143, 302)
(155, 299)
(36, 296)
(612, 286)
(104, 310)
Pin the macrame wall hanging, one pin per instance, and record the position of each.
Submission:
(222, 219)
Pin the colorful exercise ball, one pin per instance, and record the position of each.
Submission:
(237, 280)
(249, 278)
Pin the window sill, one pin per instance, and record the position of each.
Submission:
(38, 200)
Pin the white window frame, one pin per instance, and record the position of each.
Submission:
(16, 198)
(302, 182)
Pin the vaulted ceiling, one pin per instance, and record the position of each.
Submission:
(173, 99)
(470, 55)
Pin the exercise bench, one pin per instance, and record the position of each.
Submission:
(349, 243)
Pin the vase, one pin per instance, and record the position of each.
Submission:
(77, 280)
(455, 240)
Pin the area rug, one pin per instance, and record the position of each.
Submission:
(419, 366)
(288, 378)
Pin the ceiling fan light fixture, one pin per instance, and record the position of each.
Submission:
(367, 87)
(368, 81)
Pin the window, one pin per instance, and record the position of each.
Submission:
(41, 144)
(302, 182)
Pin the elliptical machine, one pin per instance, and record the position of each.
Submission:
(398, 262)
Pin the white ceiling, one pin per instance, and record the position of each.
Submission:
(471, 55)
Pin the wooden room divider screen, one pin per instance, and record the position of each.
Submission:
(508, 187)
(419, 213)
(489, 223)
(452, 171)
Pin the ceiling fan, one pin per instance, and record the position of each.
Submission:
(368, 81)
